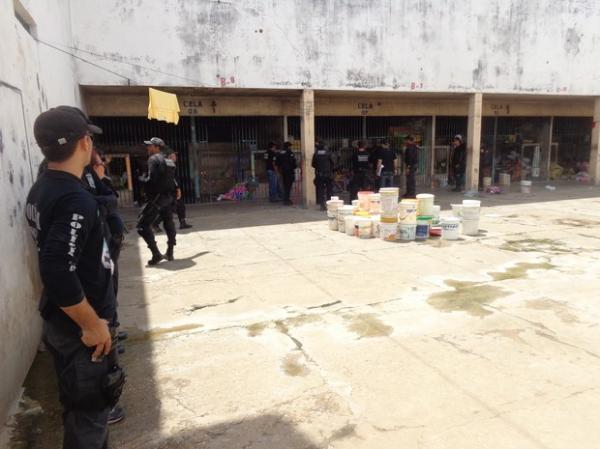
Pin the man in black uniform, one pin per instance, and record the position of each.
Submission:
(458, 162)
(285, 163)
(274, 188)
(78, 299)
(411, 160)
(322, 162)
(160, 186)
(387, 164)
(362, 170)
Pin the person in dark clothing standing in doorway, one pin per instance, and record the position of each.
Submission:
(458, 162)
(160, 186)
(179, 202)
(362, 169)
(387, 164)
(322, 162)
(411, 160)
(273, 178)
(285, 162)
(78, 299)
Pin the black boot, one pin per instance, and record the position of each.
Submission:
(169, 254)
(156, 255)
(184, 225)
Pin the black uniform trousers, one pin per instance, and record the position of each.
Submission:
(85, 409)
(411, 182)
(161, 206)
(287, 179)
(180, 209)
(324, 188)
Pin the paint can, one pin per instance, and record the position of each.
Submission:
(375, 204)
(343, 212)
(349, 224)
(407, 211)
(470, 227)
(487, 182)
(362, 227)
(375, 220)
(333, 223)
(450, 228)
(363, 200)
(456, 209)
(526, 186)
(470, 209)
(408, 231)
(389, 201)
(425, 204)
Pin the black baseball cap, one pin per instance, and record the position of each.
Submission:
(155, 141)
(61, 125)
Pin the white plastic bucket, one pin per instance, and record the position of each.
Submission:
(436, 214)
(349, 224)
(375, 204)
(407, 211)
(355, 203)
(525, 186)
(450, 228)
(362, 227)
(408, 231)
(388, 231)
(343, 212)
(487, 182)
(363, 200)
(333, 223)
(389, 202)
(470, 227)
(375, 225)
(470, 209)
(456, 209)
(504, 179)
(425, 204)
(423, 225)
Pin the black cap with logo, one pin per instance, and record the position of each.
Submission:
(61, 125)
(155, 141)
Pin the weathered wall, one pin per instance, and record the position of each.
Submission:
(32, 78)
(535, 46)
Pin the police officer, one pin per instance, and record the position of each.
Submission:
(78, 299)
(362, 169)
(322, 162)
(285, 163)
(411, 160)
(160, 187)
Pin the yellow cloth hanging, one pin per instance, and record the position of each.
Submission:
(163, 106)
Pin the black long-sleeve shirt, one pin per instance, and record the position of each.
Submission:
(74, 261)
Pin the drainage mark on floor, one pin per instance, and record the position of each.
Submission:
(368, 325)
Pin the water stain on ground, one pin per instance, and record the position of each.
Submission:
(520, 270)
(368, 325)
(156, 334)
(256, 329)
(470, 297)
(512, 334)
(577, 222)
(297, 321)
(559, 308)
(536, 245)
(292, 366)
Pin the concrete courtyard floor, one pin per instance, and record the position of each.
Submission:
(270, 331)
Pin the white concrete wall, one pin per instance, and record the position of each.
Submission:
(41, 78)
(533, 46)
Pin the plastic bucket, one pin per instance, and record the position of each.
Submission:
(525, 186)
(389, 203)
(456, 209)
(436, 214)
(472, 203)
(333, 223)
(375, 225)
(407, 211)
(450, 228)
(425, 204)
(504, 179)
(408, 231)
(363, 200)
(362, 227)
(349, 224)
(375, 204)
(423, 225)
(470, 227)
(487, 182)
(355, 203)
(388, 231)
(470, 209)
(343, 212)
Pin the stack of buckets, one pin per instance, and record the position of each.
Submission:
(332, 212)
(407, 216)
(388, 226)
(469, 211)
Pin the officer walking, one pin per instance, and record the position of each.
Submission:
(458, 162)
(322, 162)
(361, 170)
(411, 160)
(78, 299)
(160, 187)
(285, 163)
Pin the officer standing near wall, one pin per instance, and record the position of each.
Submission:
(322, 162)
(285, 162)
(160, 186)
(362, 169)
(78, 299)
(411, 160)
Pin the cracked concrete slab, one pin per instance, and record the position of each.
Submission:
(288, 335)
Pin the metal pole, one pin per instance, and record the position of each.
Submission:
(494, 150)
(285, 128)
(551, 132)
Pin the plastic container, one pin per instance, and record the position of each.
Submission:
(408, 231)
(425, 204)
(487, 182)
(423, 225)
(375, 225)
(450, 228)
(362, 227)
(343, 212)
(388, 231)
(456, 209)
(436, 215)
(356, 203)
(349, 224)
(363, 200)
(407, 211)
(470, 227)
(525, 186)
(389, 201)
(333, 223)
(470, 210)
(504, 180)
(333, 205)
(375, 204)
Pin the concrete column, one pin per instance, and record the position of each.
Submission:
(307, 142)
(432, 155)
(285, 128)
(473, 142)
(595, 154)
